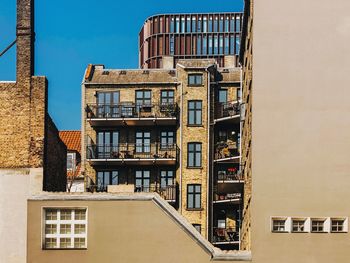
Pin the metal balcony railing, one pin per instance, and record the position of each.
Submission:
(132, 151)
(227, 109)
(227, 196)
(168, 192)
(131, 110)
(225, 235)
(232, 176)
(226, 149)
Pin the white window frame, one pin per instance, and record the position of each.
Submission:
(73, 161)
(59, 222)
(286, 224)
(345, 224)
(306, 224)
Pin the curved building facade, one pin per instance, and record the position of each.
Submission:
(189, 36)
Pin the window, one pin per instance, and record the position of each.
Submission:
(172, 45)
(197, 227)
(232, 45)
(221, 44)
(223, 95)
(107, 104)
(210, 45)
(204, 50)
(143, 142)
(337, 225)
(227, 45)
(278, 225)
(238, 44)
(188, 24)
(142, 181)
(215, 24)
(195, 79)
(221, 24)
(167, 139)
(193, 24)
(199, 25)
(167, 97)
(227, 23)
(194, 196)
(317, 225)
(182, 24)
(199, 45)
(65, 228)
(232, 24)
(194, 155)
(143, 97)
(177, 27)
(216, 45)
(298, 225)
(238, 24)
(210, 24)
(172, 25)
(205, 24)
(194, 112)
(166, 178)
(107, 143)
(105, 178)
(70, 161)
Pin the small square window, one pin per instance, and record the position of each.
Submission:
(65, 228)
(298, 225)
(197, 227)
(278, 225)
(338, 225)
(317, 225)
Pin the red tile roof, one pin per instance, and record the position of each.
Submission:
(72, 139)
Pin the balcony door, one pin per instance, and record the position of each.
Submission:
(107, 143)
(167, 139)
(143, 100)
(143, 142)
(105, 178)
(166, 178)
(107, 104)
(142, 180)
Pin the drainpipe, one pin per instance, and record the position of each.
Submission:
(180, 154)
(208, 149)
(240, 156)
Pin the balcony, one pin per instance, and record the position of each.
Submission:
(227, 151)
(131, 153)
(228, 112)
(168, 193)
(130, 114)
(225, 236)
(232, 198)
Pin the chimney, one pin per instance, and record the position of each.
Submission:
(25, 40)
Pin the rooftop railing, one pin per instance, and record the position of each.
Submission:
(132, 151)
(168, 192)
(131, 110)
(227, 109)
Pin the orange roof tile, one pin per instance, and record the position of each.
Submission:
(72, 139)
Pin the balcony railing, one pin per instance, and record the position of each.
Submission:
(225, 235)
(167, 192)
(132, 151)
(227, 109)
(226, 149)
(226, 177)
(131, 110)
(227, 197)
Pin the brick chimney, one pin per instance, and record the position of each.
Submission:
(25, 40)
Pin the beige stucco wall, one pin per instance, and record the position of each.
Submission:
(15, 187)
(301, 124)
(119, 231)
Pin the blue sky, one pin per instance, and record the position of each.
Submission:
(71, 34)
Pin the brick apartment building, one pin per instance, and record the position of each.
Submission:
(175, 132)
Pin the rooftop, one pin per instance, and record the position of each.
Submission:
(72, 139)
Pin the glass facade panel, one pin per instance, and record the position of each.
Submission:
(216, 45)
(205, 24)
(204, 50)
(199, 45)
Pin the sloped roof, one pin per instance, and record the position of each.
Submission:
(72, 139)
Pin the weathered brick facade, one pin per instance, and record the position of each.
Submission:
(24, 118)
(100, 117)
(247, 66)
